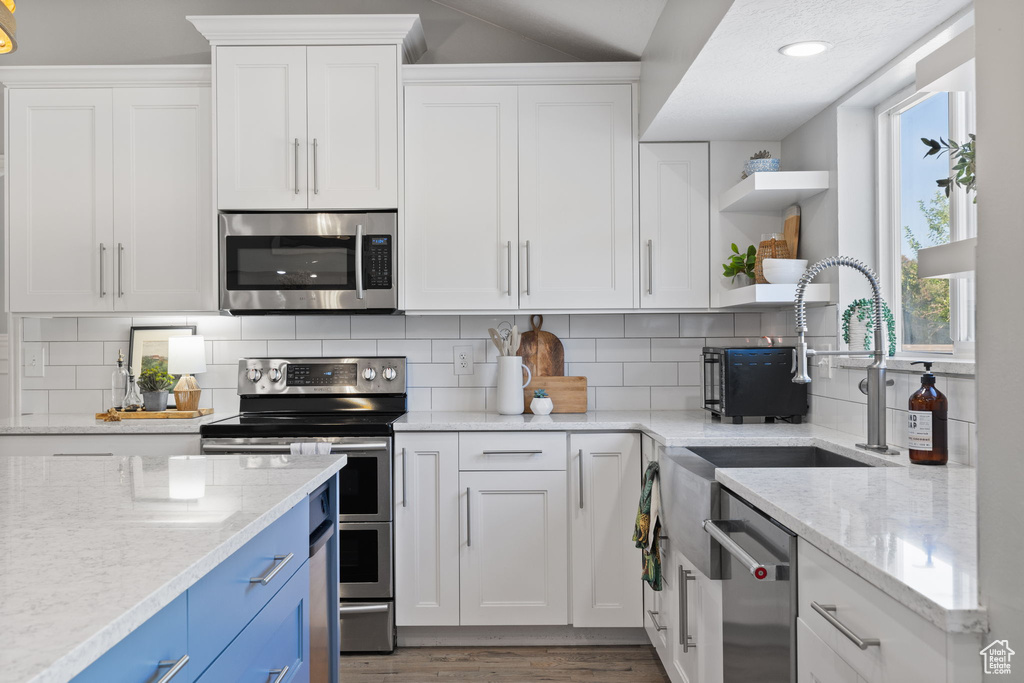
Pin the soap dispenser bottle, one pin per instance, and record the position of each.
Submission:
(927, 422)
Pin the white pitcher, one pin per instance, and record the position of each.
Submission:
(511, 385)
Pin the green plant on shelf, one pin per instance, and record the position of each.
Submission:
(540, 393)
(155, 379)
(861, 309)
(963, 166)
(740, 263)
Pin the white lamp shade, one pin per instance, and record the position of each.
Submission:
(186, 355)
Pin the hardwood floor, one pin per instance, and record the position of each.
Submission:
(589, 664)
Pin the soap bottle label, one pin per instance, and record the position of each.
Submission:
(919, 430)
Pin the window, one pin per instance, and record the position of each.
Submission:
(932, 315)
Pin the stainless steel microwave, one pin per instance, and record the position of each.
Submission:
(312, 262)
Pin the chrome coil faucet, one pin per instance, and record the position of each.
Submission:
(876, 381)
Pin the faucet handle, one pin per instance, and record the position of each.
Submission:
(863, 385)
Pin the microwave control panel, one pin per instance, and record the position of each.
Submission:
(378, 261)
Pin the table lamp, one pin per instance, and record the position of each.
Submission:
(185, 356)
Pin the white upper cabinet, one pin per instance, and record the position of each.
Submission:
(307, 127)
(575, 196)
(461, 197)
(674, 225)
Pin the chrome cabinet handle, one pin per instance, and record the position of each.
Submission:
(316, 181)
(657, 626)
(103, 249)
(469, 535)
(826, 611)
(120, 270)
(508, 269)
(684, 604)
(337, 449)
(761, 572)
(405, 476)
(359, 262)
(176, 666)
(512, 452)
(281, 673)
(527, 267)
(581, 479)
(362, 609)
(650, 267)
(282, 560)
(296, 165)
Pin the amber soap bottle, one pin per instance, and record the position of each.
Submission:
(927, 422)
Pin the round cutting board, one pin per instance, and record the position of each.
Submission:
(542, 352)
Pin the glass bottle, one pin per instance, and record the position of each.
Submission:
(119, 382)
(132, 397)
(927, 437)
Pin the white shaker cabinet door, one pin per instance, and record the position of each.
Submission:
(162, 204)
(60, 181)
(576, 234)
(514, 548)
(674, 225)
(352, 138)
(818, 663)
(261, 128)
(606, 588)
(461, 194)
(426, 476)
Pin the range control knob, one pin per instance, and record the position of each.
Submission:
(274, 374)
(389, 373)
(254, 375)
(369, 374)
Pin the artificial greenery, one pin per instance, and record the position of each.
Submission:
(155, 379)
(740, 263)
(540, 393)
(963, 158)
(763, 154)
(863, 308)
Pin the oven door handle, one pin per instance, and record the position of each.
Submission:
(242, 449)
(359, 262)
(761, 572)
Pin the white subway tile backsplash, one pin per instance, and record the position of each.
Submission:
(223, 401)
(50, 329)
(348, 348)
(56, 377)
(623, 398)
(152, 320)
(225, 352)
(323, 327)
(650, 374)
(431, 326)
(268, 327)
(443, 350)
(415, 350)
(691, 374)
(35, 402)
(93, 377)
(676, 398)
(580, 350)
(652, 325)
(626, 349)
(431, 375)
(294, 348)
(75, 401)
(378, 327)
(463, 399)
(217, 327)
(687, 350)
(959, 441)
(706, 325)
(960, 392)
(419, 399)
(476, 326)
(108, 329)
(484, 375)
(747, 324)
(557, 325)
(600, 325)
(598, 374)
(75, 353)
(219, 377)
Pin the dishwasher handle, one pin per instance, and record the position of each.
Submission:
(319, 537)
(718, 530)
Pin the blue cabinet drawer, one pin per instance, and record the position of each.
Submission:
(136, 659)
(278, 638)
(225, 600)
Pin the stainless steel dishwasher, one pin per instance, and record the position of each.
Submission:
(323, 657)
(759, 600)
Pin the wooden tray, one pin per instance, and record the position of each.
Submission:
(159, 414)
(568, 394)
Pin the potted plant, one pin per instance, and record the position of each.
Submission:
(963, 166)
(154, 384)
(759, 163)
(541, 403)
(741, 264)
(858, 330)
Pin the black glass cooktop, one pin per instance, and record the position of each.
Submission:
(301, 425)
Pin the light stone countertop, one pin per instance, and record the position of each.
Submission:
(94, 546)
(86, 423)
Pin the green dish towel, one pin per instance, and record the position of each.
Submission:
(646, 535)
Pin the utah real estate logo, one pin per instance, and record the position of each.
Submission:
(997, 656)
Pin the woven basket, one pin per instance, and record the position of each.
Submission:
(773, 247)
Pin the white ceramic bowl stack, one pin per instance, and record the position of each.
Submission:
(783, 271)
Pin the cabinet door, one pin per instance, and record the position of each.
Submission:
(687, 641)
(461, 190)
(576, 196)
(514, 564)
(261, 127)
(352, 139)
(606, 588)
(674, 225)
(164, 229)
(427, 529)
(60, 182)
(816, 662)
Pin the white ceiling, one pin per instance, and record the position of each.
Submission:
(588, 30)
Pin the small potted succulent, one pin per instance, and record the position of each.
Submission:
(154, 384)
(759, 163)
(541, 403)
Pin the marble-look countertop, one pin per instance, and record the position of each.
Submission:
(93, 546)
(910, 531)
(86, 423)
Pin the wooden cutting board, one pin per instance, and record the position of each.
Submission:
(791, 229)
(159, 414)
(542, 352)
(567, 394)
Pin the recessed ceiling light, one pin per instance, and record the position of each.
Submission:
(805, 48)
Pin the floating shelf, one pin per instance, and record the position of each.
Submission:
(773, 190)
(773, 295)
(955, 259)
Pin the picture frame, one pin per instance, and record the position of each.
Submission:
(147, 345)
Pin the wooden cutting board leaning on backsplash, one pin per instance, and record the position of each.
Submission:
(542, 352)
(567, 394)
(791, 229)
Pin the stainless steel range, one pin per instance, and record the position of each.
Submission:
(295, 405)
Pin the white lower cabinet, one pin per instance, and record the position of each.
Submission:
(118, 445)
(816, 662)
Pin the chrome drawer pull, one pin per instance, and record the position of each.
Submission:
(508, 270)
(826, 612)
(469, 529)
(296, 165)
(581, 479)
(282, 560)
(103, 292)
(176, 666)
(362, 609)
(405, 476)
(658, 627)
(512, 452)
(684, 606)
(281, 673)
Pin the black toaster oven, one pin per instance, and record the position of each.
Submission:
(753, 382)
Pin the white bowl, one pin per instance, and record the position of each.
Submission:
(783, 271)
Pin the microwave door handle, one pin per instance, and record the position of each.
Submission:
(359, 262)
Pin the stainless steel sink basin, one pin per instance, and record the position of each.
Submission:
(774, 456)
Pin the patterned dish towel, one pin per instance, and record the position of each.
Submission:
(647, 530)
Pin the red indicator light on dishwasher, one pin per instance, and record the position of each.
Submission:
(761, 573)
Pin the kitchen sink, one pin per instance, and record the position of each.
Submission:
(773, 456)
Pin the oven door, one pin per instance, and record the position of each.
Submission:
(365, 554)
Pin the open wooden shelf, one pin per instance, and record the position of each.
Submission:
(773, 190)
(773, 295)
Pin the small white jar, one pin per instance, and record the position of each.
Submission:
(541, 406)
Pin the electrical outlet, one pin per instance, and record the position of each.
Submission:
(463, 360)
(33, 359)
